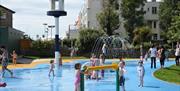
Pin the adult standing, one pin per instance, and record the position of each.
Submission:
(153, 54)
(104, 49)
(162, 56)
(177, 54)
(4, 61)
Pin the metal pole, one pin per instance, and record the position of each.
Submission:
(57, 13)
(82, 82)
(57, 48)
(117, 80)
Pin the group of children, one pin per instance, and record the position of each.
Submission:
(4, 59)
(140, 71)
(94, 61)
(122, 71)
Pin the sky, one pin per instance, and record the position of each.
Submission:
(31, 14)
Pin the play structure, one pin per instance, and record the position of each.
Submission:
(90, 68)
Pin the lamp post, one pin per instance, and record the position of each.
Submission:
(46, 30)
(56, 13)
(51, 27)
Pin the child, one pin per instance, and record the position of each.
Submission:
(4, 61)
(121, 74)
(102, 61)
(141, 71)
(97, 63)
(52, 66)
(14, 57)
(95, 72)
(77, 79)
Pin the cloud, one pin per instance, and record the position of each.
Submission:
(31, 14)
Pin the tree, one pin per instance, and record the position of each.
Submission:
(167, 10)
(173, 33)
(141, 34)
(133, 14)
(108, 18)
(87, 38)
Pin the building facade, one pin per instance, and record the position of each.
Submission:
(9, 36)
(88, 16)
(151, 18)
(73, 32)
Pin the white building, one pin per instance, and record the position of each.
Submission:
(73, 32)
(88, 16)
(152, 19)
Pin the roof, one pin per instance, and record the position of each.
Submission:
(7, 9)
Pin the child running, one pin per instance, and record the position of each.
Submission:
(77, 79)
(4, 61)
(141, 72)
(52, 66)
(121, 74)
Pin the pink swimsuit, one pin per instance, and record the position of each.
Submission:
(77, 81)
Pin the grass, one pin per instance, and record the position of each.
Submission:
(169, 74)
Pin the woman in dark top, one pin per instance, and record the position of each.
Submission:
(162, 56)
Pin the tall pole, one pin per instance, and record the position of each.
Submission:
(57, 13)
(46, 30)
(51, 27)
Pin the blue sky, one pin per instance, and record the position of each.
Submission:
(31, 14)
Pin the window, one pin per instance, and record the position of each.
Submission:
(154, 24)
(149, 23)
(147, 9)
(3, 16)
(155, 37)
(154, 10)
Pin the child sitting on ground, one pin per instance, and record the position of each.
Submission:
(52, 66)
(77, 79)
(141, 71)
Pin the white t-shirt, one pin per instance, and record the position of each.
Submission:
(177, 53)
(153, 52)
(104, 49)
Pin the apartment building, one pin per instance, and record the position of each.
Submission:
(88, 16)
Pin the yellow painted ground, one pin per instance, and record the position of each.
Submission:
(34, 63)
(42, 61)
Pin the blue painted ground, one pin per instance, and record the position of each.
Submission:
(36, 79)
